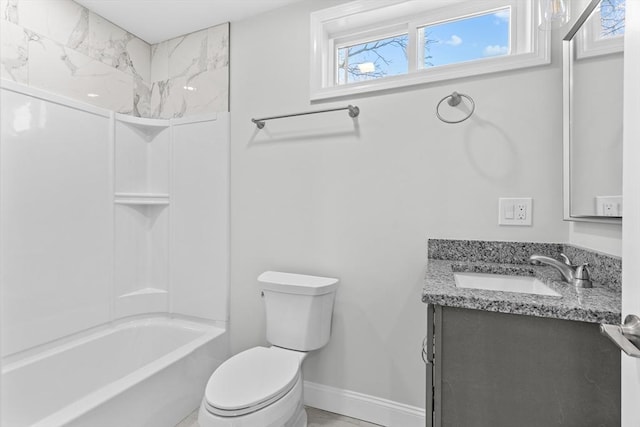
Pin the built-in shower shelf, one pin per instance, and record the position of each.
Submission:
(144, 291)
(148, 127)
(141, 199)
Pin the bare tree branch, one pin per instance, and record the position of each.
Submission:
(612, 15)
(372, 49)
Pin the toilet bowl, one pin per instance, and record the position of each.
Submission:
(262, 386)
(258, 387)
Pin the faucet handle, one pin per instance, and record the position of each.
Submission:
(582, 272)
(582, 276)
(565, 259)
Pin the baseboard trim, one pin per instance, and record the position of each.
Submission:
(362, 406)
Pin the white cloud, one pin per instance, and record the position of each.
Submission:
(495, 50)
(454, 41)
(503, 15)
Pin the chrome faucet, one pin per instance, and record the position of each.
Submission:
(577, 275)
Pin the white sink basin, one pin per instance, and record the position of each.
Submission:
(503, 282)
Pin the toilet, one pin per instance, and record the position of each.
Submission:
(262, 386)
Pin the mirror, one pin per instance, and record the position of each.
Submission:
(592, 113)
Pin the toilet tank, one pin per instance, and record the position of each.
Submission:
(298, 309)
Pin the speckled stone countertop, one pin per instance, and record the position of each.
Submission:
(600, 304)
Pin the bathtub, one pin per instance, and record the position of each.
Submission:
(148, 371)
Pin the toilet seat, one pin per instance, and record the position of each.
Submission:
(279, 414)
(251, 380)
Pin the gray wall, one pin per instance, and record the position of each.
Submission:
(323, 196)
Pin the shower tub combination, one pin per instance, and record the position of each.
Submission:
(148, 371)
(114, 260)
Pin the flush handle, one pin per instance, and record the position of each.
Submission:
(625, 336)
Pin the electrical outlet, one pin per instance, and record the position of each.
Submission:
(609, 206)
(515, 211)
(609, 209)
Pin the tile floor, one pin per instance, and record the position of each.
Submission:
(316, 418)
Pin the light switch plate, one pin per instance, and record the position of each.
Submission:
(515, 211)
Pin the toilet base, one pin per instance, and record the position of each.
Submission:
(298, 420)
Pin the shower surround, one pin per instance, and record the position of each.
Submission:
(109, 220)
(62, 47)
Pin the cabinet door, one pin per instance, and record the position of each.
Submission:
(427, 356)
(494, 369)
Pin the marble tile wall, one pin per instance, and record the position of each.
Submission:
(61, 47)
(190, 74)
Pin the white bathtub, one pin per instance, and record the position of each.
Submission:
(148, 371)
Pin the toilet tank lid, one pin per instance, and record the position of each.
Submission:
(292, 283)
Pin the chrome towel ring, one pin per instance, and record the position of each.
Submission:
(454, 99)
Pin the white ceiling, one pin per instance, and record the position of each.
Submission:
(155, 21)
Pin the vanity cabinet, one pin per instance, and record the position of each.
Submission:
(504, 370)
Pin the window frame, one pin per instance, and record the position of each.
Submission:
(590, 43)
(367, 19)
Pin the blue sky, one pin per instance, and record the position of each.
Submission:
(472, 38)
(612, 10)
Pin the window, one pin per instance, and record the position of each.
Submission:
(612, 18)
(604, 31)
(372, 59)
(369, 45)
(467, 39)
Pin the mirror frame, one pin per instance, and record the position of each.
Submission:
(568, 53)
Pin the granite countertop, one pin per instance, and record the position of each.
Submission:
(600, 304)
